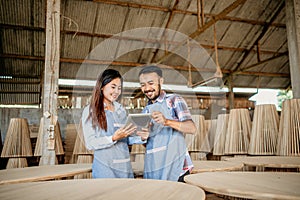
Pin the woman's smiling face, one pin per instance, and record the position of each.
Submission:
(112, 90)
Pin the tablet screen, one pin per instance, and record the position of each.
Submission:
(140, 120)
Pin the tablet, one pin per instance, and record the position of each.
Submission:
(140, 120)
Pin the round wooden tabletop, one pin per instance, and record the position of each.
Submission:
(252, 185)
(113, 189)
(269, 161)
(212, 166)
(40, 173)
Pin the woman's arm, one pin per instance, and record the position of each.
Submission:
(91, 138)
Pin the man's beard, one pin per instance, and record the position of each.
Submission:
(156, 96)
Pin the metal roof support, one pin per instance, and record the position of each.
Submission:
(218, 17)
(263, 32)
(293, 35)
(51, 74)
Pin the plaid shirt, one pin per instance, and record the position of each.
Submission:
(177, 105)
(179, 112)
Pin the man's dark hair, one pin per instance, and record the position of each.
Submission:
(151, 68)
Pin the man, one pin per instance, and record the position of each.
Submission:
(166, 155)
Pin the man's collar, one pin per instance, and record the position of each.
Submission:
(159, 99)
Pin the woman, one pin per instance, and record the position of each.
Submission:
(102, 124)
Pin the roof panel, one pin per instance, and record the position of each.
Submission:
(39, 13)
(86, 25)
(274, 39)
(138, 18)
(16, 12)
(79, 15)
(110, 19)
(24, 98)
(17, 42)
(254, 10)
(22, 67)
(71, 44)
(39, 43)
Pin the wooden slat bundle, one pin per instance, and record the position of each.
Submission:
(79, 146)
(1, 144)
(289, 129)
(264, 133)
(16, 163)
(17, 141)
(204, 141)
(199, 140)
(198, 156)
(238, 132)
(84, 159)
(80, 153)
(58, 142)
(210, 129)
(189, 138)
(220, 137)
(137, 148)
(137, 153)
(70, 138)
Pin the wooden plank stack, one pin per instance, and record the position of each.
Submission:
(220, 136)
(264, 133)
(17, 145)
(289, 129)
(238, 132)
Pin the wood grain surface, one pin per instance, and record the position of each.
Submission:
(40, 173)
(212, 166)
(252, 185)
(113, 189)
(268, 161)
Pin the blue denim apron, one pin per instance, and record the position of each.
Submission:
(114, 160)
(165, 150)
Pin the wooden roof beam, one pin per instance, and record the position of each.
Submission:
(185, 12)
(133, 64)
(226, 48)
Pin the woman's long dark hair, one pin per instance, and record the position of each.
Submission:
(97, 112)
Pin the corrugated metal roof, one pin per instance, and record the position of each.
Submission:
(86, 24)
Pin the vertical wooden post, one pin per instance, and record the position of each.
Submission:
(231, 94)
(293, 35)
(51, 73)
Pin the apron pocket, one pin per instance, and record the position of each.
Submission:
(158, 149)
